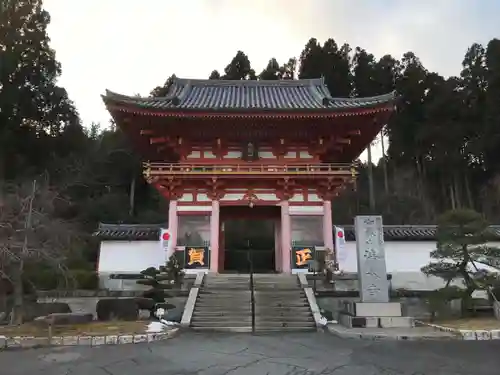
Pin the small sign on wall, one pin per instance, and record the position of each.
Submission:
(340, 248)
(302, 256)
(196, 257)
(165, 237)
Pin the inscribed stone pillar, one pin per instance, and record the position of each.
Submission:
(286, 238)
(372, 272)
(327, 225)
(173, 223)
(214, 236)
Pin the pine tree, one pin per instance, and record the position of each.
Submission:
(462, 237)
(165, 277)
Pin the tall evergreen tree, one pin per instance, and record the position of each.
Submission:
(34, 110)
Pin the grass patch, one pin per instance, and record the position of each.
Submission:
(482, 323)
(89, 329)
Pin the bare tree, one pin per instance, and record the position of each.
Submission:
(31, 234)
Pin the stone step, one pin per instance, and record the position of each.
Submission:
(229, 287)
(291, 296)
(227, 315)
(264, 276)
(265, 299)
(222, 323)
(281, 297)
(223, 302)
(240, 329)
(225, 294)
(277, 324)
(297, 309)
(284, 329)
(234, 301)
(278, 305)
(274, 317)
(219, 322)
(277, 318)
(221, 307)
(224, 297)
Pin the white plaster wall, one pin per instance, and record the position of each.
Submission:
(129, 256)
(404, 259)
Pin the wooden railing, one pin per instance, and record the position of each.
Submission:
(165, 169)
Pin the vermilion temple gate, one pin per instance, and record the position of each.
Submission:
(281, 146)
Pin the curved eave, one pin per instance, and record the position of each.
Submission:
(174, 105)
(250, 113)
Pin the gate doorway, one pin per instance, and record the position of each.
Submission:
(249, 239)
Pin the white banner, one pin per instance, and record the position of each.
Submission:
(340, 248)
(165, 243)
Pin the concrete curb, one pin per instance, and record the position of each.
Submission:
(345, 334)
(25, 342)
(311, 300)
(464, 334)
(187, 315)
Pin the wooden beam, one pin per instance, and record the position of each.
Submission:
(157, 140)
(344, 141)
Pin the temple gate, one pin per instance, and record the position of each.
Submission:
(274, 151)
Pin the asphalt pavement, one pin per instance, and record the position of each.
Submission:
(279, 354)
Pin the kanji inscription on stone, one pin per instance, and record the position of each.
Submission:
(372, 272)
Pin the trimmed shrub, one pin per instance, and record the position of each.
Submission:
(145, 303)
(157, 295)
(165, 305)
(164, 278)
(119, 308)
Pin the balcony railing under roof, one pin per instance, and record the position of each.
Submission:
(158, 169)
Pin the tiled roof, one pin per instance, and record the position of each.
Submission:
(151, 232)
(411, 232)
(285, 95)
(129, 232)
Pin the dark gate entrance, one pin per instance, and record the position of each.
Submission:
(248, 239)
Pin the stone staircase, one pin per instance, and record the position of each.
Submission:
(224, 304)
(281, 304)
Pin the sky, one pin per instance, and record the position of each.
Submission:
(132, 46)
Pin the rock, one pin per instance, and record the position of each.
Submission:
(33, 310)
(174, 315)
(144, 314)
(120, 308)
(64, 319)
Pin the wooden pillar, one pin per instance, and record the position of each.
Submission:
(286, 238)
(214, 236)
(173, 224)
(327, 225)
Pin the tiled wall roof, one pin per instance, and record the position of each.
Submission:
(151, 232)
(411, 232)
(129, 232)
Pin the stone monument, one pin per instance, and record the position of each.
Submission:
(374, 309)
(372, 273)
